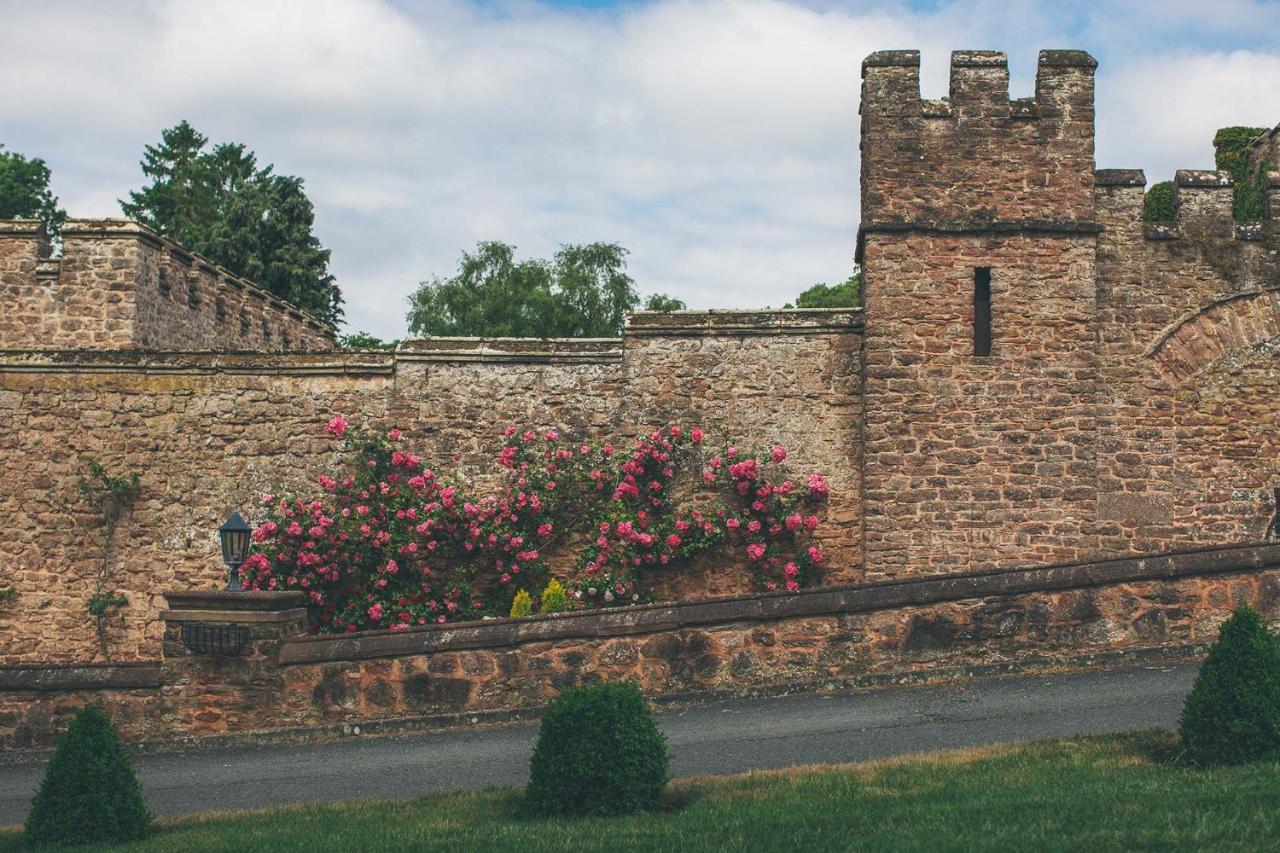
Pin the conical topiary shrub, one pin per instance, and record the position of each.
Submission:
(1233, 713)
(599, 752)
(89, 792)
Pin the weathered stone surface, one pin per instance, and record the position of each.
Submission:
(211, 432)
(119, 285)
(1049, 617)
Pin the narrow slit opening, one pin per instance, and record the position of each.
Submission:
(982, 311)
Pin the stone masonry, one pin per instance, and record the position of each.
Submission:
(1127, 404)
(119, 285)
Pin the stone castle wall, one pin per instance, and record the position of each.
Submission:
(210, 432)
(1127, 403)
(118, 285)
(287, 687)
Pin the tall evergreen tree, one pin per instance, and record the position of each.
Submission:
(25, 192)
(220, 203)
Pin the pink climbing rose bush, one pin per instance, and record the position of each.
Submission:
(393, 543)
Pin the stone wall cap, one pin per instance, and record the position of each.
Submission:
(248, 600)
(1216, 178)
(979, 59)
(234, 616)
(101, 228)
(323, 363)
(886, 58)
(21, 227)
(1120, 178)
(1067, 58)
(714, 322)
(80, 676)
(650, 618)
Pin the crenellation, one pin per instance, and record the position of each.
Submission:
(890, 84)
(118, 285)
(979, 84)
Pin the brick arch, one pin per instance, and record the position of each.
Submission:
(1214, 331)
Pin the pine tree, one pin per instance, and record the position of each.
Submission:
(221, 204)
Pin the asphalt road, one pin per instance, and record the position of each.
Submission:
(724, 737)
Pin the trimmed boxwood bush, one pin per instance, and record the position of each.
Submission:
(1233, 713)
(89, 792)
(599, 753)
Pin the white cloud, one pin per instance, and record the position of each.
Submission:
(716, 140)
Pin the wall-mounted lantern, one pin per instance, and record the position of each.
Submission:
(235, 548)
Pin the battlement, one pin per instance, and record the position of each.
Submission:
(979, 85)
(977, 156)
(1202, 206)
(120, 285)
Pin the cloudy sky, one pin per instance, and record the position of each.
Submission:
(715, 140)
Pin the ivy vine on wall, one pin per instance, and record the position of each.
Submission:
(109, 498)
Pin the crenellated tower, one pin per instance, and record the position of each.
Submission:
(978, 244)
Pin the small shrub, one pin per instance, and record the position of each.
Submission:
(598, 753)
(1233, 713)
(521, 605)
(1160, 203)
(553, 597)
(89, 792)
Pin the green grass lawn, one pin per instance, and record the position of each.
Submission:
(1104, 793)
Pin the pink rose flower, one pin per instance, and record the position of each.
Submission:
(337, 426)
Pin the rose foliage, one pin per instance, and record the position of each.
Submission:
(394, 543)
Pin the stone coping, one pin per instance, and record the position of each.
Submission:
(720, 322)
(337, 362)
(234, 602)
(523, 350)
(979, 59)
(80, 676)
(1119, 178)
(882, 595)
(234, 617)
(1201, 178)
(885, 58)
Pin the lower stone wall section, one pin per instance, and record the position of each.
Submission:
(929, 628)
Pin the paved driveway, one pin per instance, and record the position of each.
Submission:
(724, 737)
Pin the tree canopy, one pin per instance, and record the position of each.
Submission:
(584, 291)
(220, 203)
(25, 192)
(846, 294)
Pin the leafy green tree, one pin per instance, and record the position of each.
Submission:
(662, 302)
(220, 203)
(583, 291)
(847, 294)
(25, 192)
(364, 340)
